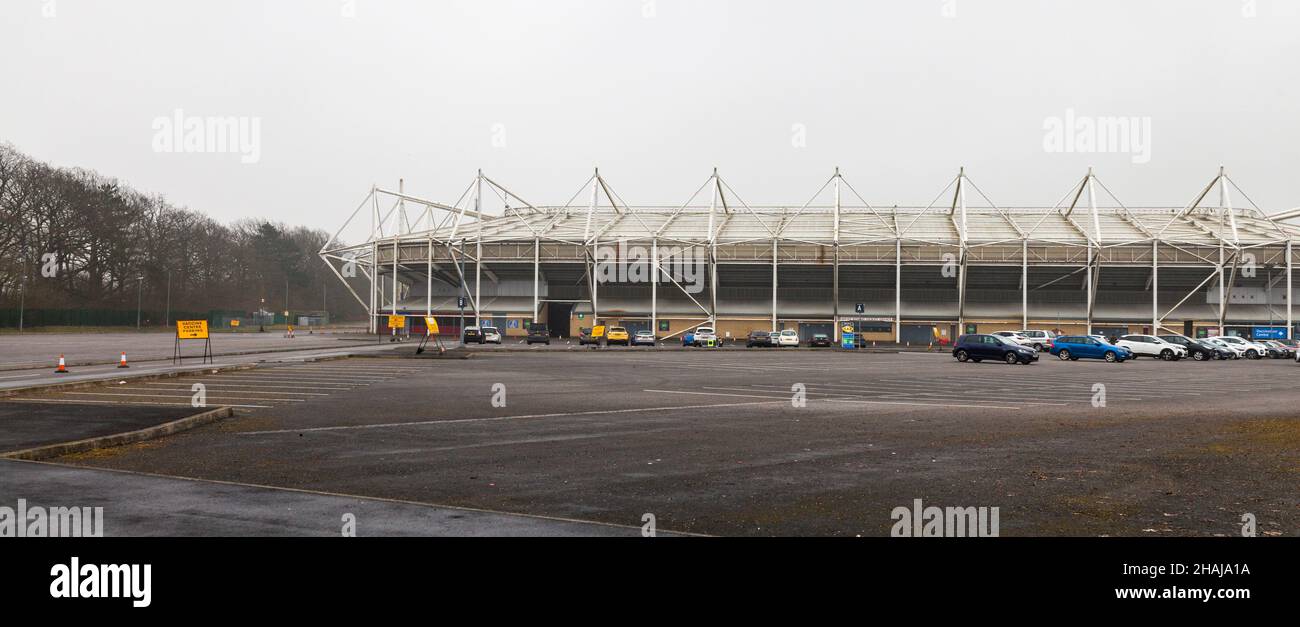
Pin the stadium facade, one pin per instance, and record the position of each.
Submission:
(896, 274)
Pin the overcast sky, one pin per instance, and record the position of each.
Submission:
(898, 94)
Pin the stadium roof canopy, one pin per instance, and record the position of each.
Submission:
(393, 233)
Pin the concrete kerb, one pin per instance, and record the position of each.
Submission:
(148, 433)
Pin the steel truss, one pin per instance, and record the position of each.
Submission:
(413, 237)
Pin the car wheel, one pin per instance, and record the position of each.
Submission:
(1198, 356)
(1167, 355)
(1251, 354)
(1111, 356)
(1064, 355)
(1038, 347)
(1011, 359)
(962, 356)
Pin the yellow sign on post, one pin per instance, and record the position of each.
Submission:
(234, 323)
(191, 329)
(431, 324)
(598, 331)
(396, 322)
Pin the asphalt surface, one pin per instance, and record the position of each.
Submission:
(711, 442)
(28, 425)
(142, 505)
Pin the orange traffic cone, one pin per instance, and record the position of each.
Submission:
(63, 366)
(122, 363)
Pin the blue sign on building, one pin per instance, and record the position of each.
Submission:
(1268, 333)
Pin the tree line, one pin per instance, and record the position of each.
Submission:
(71, 238)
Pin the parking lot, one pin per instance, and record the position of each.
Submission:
(749, 442)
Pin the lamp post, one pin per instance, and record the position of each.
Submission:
(139, 292)
(167, 317)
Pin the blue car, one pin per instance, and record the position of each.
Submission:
(978, 347)
(1075, 347)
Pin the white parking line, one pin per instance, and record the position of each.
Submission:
(787, 400)
(238, 398)
(517, 417)
(259, 386)
(226, 389)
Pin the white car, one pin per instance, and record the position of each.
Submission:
(1016, 337)
(702, 336)
(1152, 346)
(1039, 339)
(1248, 349)
(788, 337)
(491, 335)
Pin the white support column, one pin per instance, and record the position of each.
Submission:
(1024, 283)
(374, 287)
(835, 270)
(654, 286)
(898, 291)
(428, 279)
(1155, 288)
(1088, 285)
(774, 253)
(1289, 322)
(395, 255)
(537, 258)
(478, 248)
(713, 253)
(595, 283)
(713, 289)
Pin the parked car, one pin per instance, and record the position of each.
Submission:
(1277, 350)
(1152, 346)
(617, 335)
(978, 347)
(643, 338)
(1249, 350)
(1040, 340)
(820, 340)
(759, 338)
(1014, 336)
(1075, 347)
(473, 335)
(585, 337)
(491, 335)
(702, 336)
(787, 337)
(1198, 351)
(538, 334)
(1234, 351)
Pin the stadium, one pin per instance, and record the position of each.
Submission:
(912, 275)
